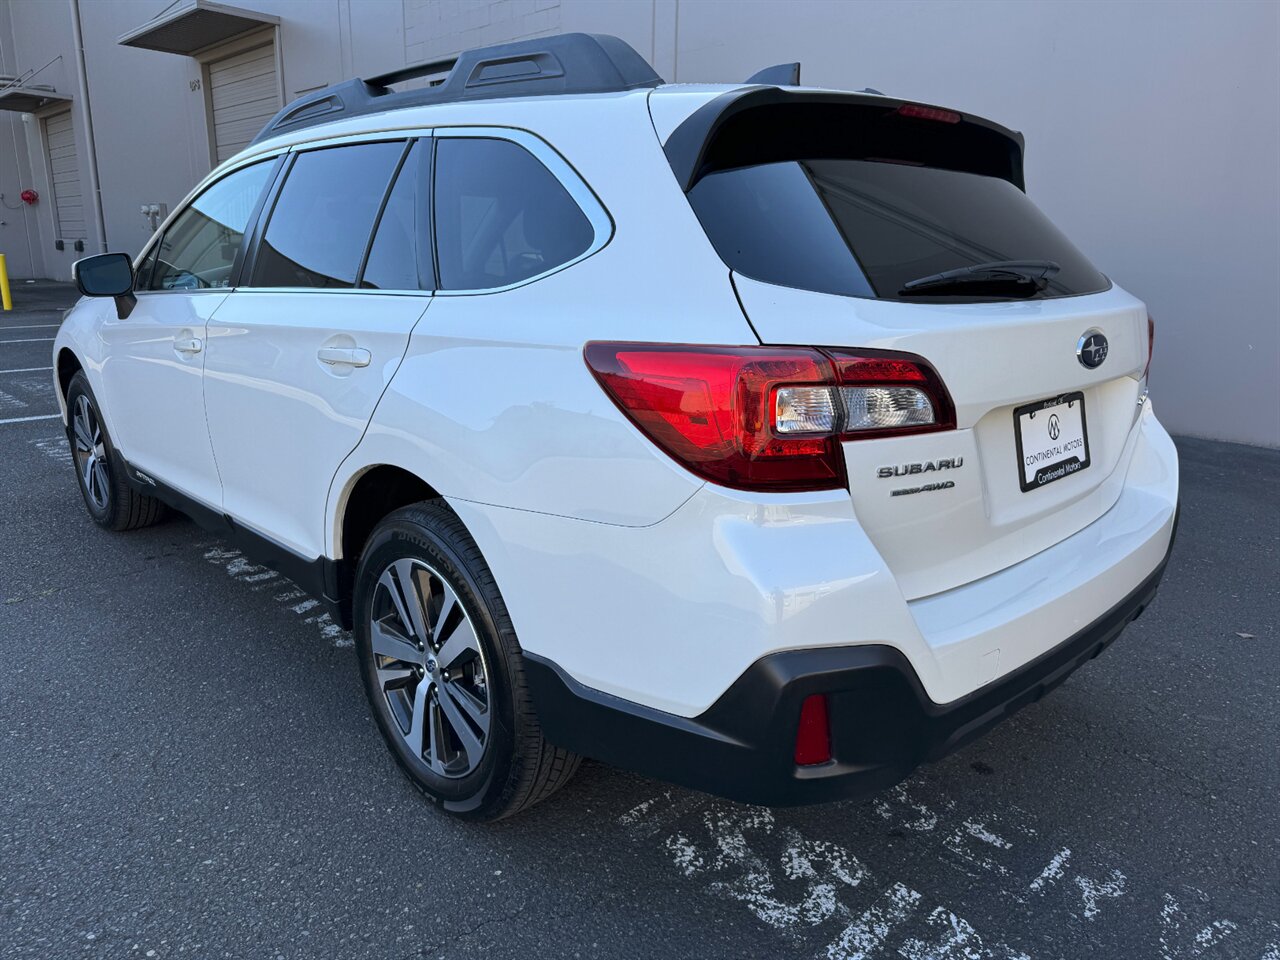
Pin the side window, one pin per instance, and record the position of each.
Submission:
(500, 215)
(400, 257)
(320, 226)
(199, 248)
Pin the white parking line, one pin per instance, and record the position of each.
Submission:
(47, 416)
(30, 326)
(37, 340)
(27, 370)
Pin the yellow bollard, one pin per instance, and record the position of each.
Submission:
(5, 300)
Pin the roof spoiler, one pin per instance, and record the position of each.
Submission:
(770, 123)
(570, 63)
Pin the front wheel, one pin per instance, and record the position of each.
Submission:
(443, 669)
(108, 496)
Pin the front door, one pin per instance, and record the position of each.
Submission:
(153, 367)
(299, 356)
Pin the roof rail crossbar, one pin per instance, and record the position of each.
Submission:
(412, 73)
(570, 63)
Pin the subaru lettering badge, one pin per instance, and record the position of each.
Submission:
(1092, 349)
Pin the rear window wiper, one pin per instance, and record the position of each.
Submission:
(1020, 272)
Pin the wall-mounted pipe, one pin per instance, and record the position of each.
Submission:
(86, 114)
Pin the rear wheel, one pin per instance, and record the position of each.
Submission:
(111, 500)
(443, 669)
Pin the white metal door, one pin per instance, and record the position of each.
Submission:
(244, 93)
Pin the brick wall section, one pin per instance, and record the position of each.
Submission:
(435, 29)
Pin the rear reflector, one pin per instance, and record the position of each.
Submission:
(768, 418)
(813, 736)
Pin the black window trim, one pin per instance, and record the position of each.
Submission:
(428, 271)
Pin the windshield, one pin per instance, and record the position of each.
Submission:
(866, 228)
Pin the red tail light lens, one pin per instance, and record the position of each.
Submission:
(813, 735)
(768, 418)
(711, 408)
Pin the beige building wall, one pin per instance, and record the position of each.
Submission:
(1153, 135)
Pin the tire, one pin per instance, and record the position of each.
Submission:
(456, 714)
(111, 500)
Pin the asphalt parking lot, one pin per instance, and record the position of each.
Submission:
(188, 768)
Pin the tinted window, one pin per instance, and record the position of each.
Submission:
(321, 222)
(501, 216)
(865, 228)
(400, 256)
(199, 248)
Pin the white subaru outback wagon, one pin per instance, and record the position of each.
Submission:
(760, 438)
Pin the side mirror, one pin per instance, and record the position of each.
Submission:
(107, 275)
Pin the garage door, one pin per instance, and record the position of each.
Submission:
(64, 165)
(245, 93)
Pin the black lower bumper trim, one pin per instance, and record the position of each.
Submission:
(883, 723)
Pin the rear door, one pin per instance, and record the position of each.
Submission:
(301, 352)
(826, 239)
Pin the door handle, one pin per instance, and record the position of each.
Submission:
(349, 356)
(192, 345)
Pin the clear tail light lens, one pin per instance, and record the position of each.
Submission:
(873, 408)
(768, 418)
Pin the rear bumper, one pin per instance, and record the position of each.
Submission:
(883, 722)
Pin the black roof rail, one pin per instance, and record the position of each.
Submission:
(569, 63)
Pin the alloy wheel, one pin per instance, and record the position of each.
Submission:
(430, 667)
(90, 453)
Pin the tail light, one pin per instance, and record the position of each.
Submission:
(768, 418)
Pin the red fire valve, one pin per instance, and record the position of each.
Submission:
(29, 197)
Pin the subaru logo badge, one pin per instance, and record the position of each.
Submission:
(1092, 349)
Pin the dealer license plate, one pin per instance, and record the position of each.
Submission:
(1053, 440)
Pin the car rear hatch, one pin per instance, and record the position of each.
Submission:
(836, 216)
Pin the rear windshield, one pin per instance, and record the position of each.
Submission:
(866, 228)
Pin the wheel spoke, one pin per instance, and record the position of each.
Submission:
(386, 643)
(437, 738)
(408, 573)
(100, 478)
(471, 744)
(388, 583)
(440, 627)
(83, 440)
(461, 641)
(471, 705)
(86, 472)
(418, 720)
(395, 678)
